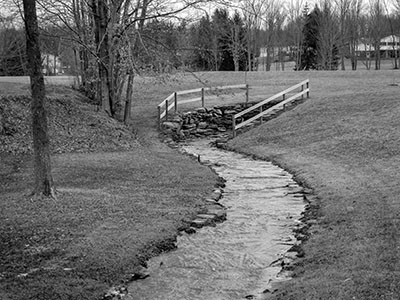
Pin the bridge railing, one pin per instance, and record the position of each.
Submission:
(172, 101)
(304, 90)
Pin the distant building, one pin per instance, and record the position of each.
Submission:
(51, 64)
(387, 47)
(275, 52)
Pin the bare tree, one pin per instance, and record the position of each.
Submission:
(112, 24)
(343, 9)
(366, 41)
(295, 26)
(100, 12)
(393, 31)
(274, 16)
(376, 27)
(353, 24)
(253, 12)
(328, 36)
(42, 168)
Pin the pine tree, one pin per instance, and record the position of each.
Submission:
(309, 57)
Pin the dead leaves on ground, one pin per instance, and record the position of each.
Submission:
(74, 126)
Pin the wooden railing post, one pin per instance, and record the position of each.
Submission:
(176, 101)
(302, 89)
(234, 125)
(308, 86)
(284, 98)
(247, 94)
(202, 97)
(261, 110)
(166, 110)
(159, 117)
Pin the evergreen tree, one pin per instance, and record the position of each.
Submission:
(201, 43)
(221, 33)
(13, 59)
(237, 42)
(309, 57)
(219, 42)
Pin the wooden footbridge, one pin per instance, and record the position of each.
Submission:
(243, 118)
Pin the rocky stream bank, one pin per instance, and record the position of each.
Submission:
(277, 252)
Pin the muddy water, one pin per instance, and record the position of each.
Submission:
(232, 260)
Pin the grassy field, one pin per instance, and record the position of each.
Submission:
(119, 202)
(343, 142)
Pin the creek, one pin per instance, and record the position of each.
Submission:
(235, 259)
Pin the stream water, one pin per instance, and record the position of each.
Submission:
(232, 260)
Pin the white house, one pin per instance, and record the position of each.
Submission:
(388, 46)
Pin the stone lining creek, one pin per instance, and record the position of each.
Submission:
(241, 257)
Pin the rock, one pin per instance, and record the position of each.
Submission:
(198, 223)
(181, 134)
(311, 222)
(201, 110)
(230, 112)
(191, 121)
(211, 201)
(189, 126)
(176, 119)
(190, 230)
(216, 196)
(202, 125)
(115, 293)
(206, 216)
(220, 214)
(204, 131)
(227, 123)
(217, 112)
(203, 122)
(221, 129)
(140, 273)
(171, 125)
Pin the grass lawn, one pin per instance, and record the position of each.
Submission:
(119, 202)
(117, 208)
(344, 142)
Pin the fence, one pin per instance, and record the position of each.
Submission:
(305, 89)
(172, 101)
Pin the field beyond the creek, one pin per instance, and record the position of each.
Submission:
(123, 194)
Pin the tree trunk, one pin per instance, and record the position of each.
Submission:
(55, 65)
(128, 103)
(249, 51)
(100, 12)
(268, 64)
(342, 62)
(236, 63)
(41, 143)
(236, 47)
(377, 58)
